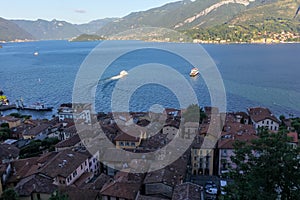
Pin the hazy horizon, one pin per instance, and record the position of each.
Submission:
(77, 12)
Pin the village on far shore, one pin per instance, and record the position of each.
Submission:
(40, 157)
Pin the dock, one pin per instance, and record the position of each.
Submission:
(8, 107)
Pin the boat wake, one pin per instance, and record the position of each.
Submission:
(121, 75)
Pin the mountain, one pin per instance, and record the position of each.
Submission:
(60, 30)
(183, 15)
(48, 30)
(93, 26)
(10, 31)
(271, 22)
(176, 21)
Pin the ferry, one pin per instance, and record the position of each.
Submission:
(34, 107)
(36, 53)
(38, 107)
(194, 72)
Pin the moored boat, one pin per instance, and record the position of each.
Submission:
(34, 107)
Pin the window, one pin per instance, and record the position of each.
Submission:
(263, 122)
(127, 143)
(267, 122)
(132, 144)
(272, 122)
(74, 174)
(121, 143)
(275, 128)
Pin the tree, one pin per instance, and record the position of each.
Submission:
(266, 168)
(9, 194)
(4, 125)
(296, 124)
(282, 118)
(194, 114)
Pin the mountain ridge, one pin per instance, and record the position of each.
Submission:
(182, 16)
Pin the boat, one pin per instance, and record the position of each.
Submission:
(33, 107)
(121, 75)
(194, 72)
(38, 107)
(36, 53)
(3, 99)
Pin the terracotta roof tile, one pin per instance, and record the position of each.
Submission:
(70, 142)
(258, 114)
(63, 164)
(187, 191)
(124, 185)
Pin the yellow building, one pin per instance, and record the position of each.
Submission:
(202, 157)
(125, 141)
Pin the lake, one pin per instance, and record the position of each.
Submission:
(253, 75)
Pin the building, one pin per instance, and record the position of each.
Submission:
(70, 143)
(294, 139)
(161, 183)
(231, 133)
(35, 187)
(124, 186)
(8, 153)
(171, 131)
(191, 129)
(76, 112)
(11, 121)
(5, 171)
(262, 117)
(125, 141)
(202, 157)
(40, 131)
(187, 191)
(66, 167)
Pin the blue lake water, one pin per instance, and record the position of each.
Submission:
(254, 75)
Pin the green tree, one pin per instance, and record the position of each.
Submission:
(4, 125)
(267, 168)
(194, 114)
(9, 194)
(296, 124)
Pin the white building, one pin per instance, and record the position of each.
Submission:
(262, 117)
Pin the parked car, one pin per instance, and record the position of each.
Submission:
(212, 191)
(210, 184)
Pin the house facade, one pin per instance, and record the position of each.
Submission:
(263, 117)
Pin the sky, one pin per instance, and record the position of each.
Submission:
(74, 11)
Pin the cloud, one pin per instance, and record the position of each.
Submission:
(81, 11)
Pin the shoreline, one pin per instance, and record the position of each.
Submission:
(162, 41)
